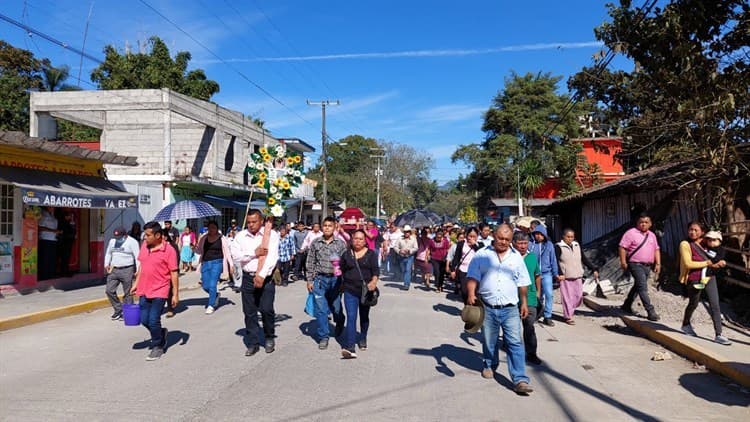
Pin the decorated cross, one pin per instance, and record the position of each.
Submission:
(277, 171)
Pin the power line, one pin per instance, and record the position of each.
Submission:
(64, 45)
(242, 75)
(608, 57)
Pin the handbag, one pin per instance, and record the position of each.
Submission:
(368, 298)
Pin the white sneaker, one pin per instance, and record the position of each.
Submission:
(687, 329)
(209, 310)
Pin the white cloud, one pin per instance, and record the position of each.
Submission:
(451, 113)
(431, 53)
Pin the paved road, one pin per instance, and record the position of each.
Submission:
(420, 366)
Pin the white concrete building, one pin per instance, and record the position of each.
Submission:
(186, 148)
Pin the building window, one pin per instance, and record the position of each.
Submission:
(6, 210)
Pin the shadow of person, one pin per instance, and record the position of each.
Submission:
(280, 318)
(450, 310)
(467, 358)
(467, 337)
(697, 383)
(308, 329)
(394, 285)
(175, 338)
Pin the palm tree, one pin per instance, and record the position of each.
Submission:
(54, 78)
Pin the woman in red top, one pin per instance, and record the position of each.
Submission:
(438, 251)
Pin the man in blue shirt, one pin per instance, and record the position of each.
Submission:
(287, 249)
(498, 278)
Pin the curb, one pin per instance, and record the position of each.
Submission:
(678, 343)
(60, 312)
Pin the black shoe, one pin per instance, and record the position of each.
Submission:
(362, 344)
(626, 308)
(270, 346)
(339, 329)
(252, 350)
(533, 359)
(117, 316)
(548, 322)
(323, 344)
(652, 316)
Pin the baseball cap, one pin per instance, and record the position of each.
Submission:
(713, 234)
(120, 231)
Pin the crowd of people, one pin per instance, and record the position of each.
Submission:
(509, 272)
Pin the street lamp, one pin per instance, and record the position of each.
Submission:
(323, 104)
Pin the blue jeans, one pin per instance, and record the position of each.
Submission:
(151, 319)
(327, 293)
(547, 294)
(640, 274)
(351, 302)
(406, 263)
(210, 273)
(509, 319)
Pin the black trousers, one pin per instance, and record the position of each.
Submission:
(299, 265)
(47, 259)
(438, 270)
(694, 296)
(529, 333)
(640, 274)
(253, 300)
(285, 268)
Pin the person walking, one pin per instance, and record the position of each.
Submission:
(485, 235)
(157, 271)
(571, 261)
(287, 250)
(187, 249)
(216, 259)
(499, 279)
(257, 250)
(300, 256)
(462, 257)
(544, 250)
(390, 256)
(639, 253)
(521, 244)
(359, 266)
(422, 257)
(697, 274)
(326, 280)
(439, 247)
(121, 263)
(406, 249)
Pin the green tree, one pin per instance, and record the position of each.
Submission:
(686, 97)
(527, 135)
(351, 175)
(153, 70)
(20, 73)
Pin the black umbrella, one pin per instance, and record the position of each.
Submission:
(418, 218)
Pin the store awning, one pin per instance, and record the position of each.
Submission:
(43, 188)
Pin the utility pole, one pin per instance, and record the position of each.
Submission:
(378, 173)
(323, 105)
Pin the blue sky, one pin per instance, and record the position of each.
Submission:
(419, 73)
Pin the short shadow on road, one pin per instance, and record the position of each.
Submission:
(701, 386)
(174, 338)
(469, 359)
(450, 310)
(183, 305)
(394, 285)
(242, 332)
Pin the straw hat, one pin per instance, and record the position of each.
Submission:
(473, 316)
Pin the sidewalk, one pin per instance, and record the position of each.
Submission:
(57, 302)
(731, 361)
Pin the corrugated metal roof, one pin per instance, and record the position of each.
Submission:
(20, 139)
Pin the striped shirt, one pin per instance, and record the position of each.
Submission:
(287, 248)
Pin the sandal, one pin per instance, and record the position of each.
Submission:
(570, 322)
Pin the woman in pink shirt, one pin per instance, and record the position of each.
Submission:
(438, 251)
(423, 256)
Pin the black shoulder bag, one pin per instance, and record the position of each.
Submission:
(368, 298)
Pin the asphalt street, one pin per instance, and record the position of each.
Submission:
(420, 365)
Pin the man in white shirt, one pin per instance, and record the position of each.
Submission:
(47, 249)
(121, 263)
(498, 278)
(258, 261)
(389, 255)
